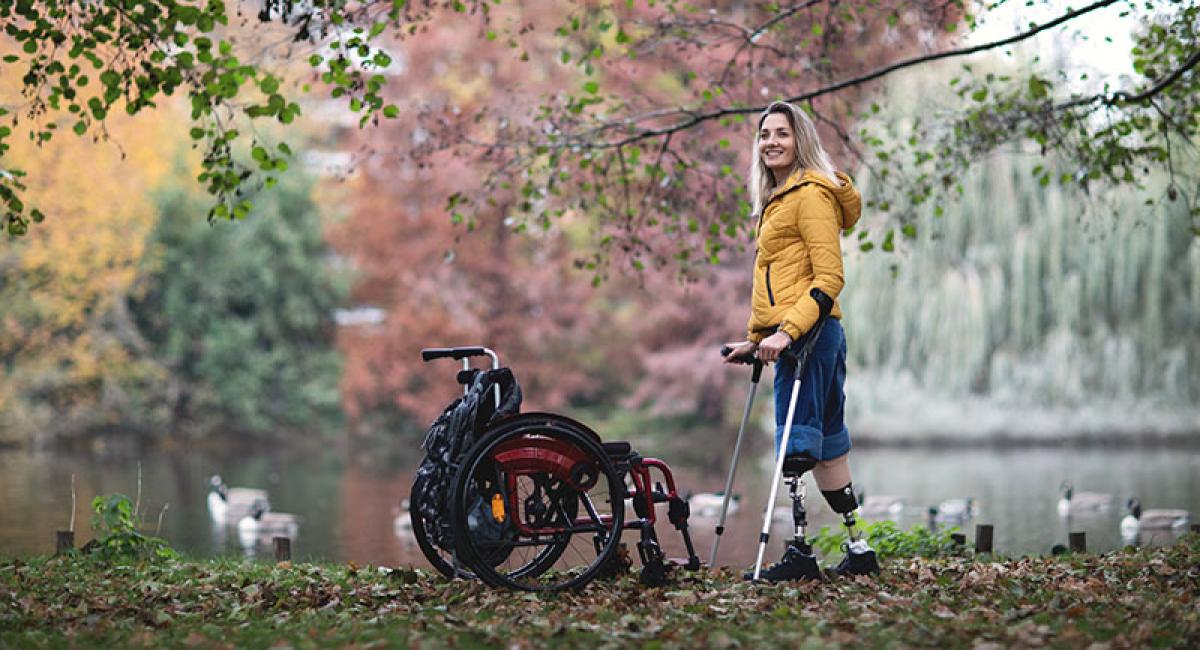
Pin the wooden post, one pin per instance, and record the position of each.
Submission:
(983, 538)
(283, 548)
(64, 542)
(1077, 542)
(960, 539)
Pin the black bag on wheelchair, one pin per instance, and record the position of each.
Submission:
(450, 437)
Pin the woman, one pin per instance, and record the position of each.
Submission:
(803, 205)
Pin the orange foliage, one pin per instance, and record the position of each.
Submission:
(66, 282)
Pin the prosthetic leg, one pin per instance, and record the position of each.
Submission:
(860, 558)
(795, 465)
(799, 562)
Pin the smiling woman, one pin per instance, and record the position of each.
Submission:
(803, 205)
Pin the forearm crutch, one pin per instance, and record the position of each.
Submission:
(802, 357)
(737, 446)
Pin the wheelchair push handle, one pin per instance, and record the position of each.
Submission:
(464, 353)
(430, 354)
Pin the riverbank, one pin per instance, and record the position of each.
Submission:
(1131, 598)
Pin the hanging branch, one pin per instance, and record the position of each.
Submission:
(585, 140)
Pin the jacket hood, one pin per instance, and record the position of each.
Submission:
(848, 200)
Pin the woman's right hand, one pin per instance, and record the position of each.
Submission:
(740, 350)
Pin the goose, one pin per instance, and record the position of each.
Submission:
(956, 511)
(1156, 519)
(1081, 502)
(229, 505)
(707, 505)
(880, 506)
(260, 523)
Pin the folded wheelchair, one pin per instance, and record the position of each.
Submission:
(534, 501)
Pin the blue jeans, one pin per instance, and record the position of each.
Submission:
(818, 426)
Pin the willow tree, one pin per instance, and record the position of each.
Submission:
(614, 145)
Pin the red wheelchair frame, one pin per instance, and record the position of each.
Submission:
(563, 460)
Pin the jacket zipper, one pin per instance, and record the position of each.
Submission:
(770, 294)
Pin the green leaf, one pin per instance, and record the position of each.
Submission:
(391, 111)
(1037, 87)
(591, 87)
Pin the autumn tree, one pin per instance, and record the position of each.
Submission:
(441, 282)
(130, 313)
(80, 61)
(70, 360)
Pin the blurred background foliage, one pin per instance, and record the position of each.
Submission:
(1014, 307)
(130, 314)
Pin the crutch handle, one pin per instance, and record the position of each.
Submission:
(743, 358)
(748, 359)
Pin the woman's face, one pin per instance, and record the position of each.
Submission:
(777, 144)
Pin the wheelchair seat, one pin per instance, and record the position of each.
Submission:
(798, 464)
(617, 450)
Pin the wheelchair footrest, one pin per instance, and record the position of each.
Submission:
(691, 565)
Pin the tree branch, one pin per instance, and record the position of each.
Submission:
(1123, 97)
(585, 141)
(1162, 84)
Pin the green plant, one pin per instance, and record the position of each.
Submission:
(117, 532)
(889, 540)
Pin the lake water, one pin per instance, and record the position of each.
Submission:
(348, 507)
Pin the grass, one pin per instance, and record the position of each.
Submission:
(1131, 598)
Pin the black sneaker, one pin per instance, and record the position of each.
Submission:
(860, 560)
(795, 565)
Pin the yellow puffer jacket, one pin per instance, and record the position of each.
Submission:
(799, 247)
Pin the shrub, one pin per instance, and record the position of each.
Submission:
(117, 532)
(889, 540)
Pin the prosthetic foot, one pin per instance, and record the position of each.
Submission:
(860, 558)
(798, 562)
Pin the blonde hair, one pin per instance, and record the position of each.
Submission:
(809, 154)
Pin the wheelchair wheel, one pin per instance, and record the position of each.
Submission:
(552, 505)
(442, 561)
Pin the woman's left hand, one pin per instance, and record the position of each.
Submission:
(772, 346)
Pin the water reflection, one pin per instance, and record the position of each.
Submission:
(351, 511)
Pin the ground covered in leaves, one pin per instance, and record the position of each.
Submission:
(1133, 598)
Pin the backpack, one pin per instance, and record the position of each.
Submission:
(450, 436)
